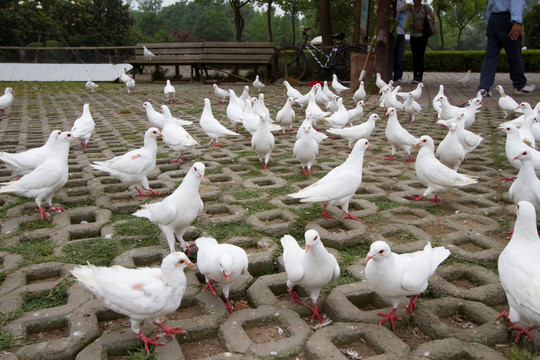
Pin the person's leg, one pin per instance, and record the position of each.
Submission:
(493, 49)
(399, 54)
(423, 40)
(416, 49)
(513, 53)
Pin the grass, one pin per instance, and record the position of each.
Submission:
(33, 250)
(135, 226)
(224, 231)
(57, 296)
(517, 353)
(97, 251)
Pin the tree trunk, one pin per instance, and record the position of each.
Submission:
(326, 24)
(440, 26)
(239, 21)
(294, 10)
(385, 41)
(269, 21)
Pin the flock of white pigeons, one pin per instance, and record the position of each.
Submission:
(152, 293)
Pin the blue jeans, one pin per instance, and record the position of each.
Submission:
(399, 54)
(418, 48)
(498, 28)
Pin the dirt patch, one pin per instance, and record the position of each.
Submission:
(459, 321)
(470, 247)
(267, 331)
(412, 336)
(463, 284)
(203, 348)
(48, 335)
(436, 229)
(188, 312)
(357, 350)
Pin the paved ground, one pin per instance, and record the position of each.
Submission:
(51, 317)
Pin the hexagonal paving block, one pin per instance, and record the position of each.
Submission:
(401, 238)
(408, 215)
(473, 222)
(455, 349)
(472, 246)
(80, 223)
(265, 182)
(8, 261)
(273, 222)
(338, 233)
(259, 253)
(475, 205)
(366, 340)
(240, 332)
(221, 213)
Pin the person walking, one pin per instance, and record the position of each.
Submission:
(504, 29)
(402, 17)
(419, 41)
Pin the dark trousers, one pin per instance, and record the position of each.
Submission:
(418, 48)
(399, 54)
(498, 28)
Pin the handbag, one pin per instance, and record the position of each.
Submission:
(429, 29)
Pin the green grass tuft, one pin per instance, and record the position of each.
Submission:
(97, 251)
(57, 296)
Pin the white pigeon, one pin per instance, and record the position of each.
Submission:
(314, 110)
(357, 132)
(332, 105)
(6, 100)
(83, 127)
(417, 92)
(340, 118)
(437, 104)
(360, 93)
(518, 272)
(397, 136)
(91, 86)
(411, 107)
(211, 126)
(355, 114)
(337, 86)
(447, 110)
(320, 97)
(389, 98)
(235, 110)
(257, 84)
(170, 92)
(465, 79)
(469, 112)
(124, 77)
(263, 141)
(318, 136)
(148, 54)
(286, 115)
(175, 136)
(306, 149)
(156, 118)
(303, 101)
(24, 162)
(526, 186)
(311, 268)
(42, 182)
(450, 151)
(514, 145)
(527, 110)
(434, 174)
(339, 185)
(260, 108)
(526, 132)
(220, 263)
(291, 91)
(140, 294)
(396, 275)
(245, 94)
(467, 139)
(220, 93)
(250, 120)
(326, 90)
(508, 105)
(130, 85)
(379, 82)
(134, 166)
(174, 214)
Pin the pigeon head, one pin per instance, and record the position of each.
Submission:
(147, 105)
(154, 132)
(509, 129)
(173, 264)
(425, 140)
(389, 111)
(198, 169)
(523, 154)
(526, 220)
(312, 238)
(453, 127)
(378, 250)
(225, 265)
(166, 111)
(360, 146)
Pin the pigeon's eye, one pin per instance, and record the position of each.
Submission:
(507, 129)
(68, 135)
(524, 153)
(195, 169)
(381, 251)
(424, 140)
(181, 261)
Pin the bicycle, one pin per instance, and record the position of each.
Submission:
(337, 61)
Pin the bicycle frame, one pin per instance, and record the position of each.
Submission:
(329, 57)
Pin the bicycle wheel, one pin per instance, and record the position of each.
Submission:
(290, 59)
(341, 65)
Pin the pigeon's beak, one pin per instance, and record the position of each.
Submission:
(369, 257)
(515, 158)
(307, 247)
(160, 135)
(190, 264)
(201, 175)
(502, 131)
(226, 276)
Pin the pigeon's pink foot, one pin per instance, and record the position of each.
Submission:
(265, 167)
(310, 172)
(170, 331)
(147, 340)
(391, 157)
(140, 193)
(187, 250)
(315, 312)
(57, 209)
(291, 129)
(421, 197)
(249, 140)
(508, 179)
(43, 213)
(211, 288)
(153, 192)
(523, 331)
(175, 161)
(351, 216)
(435, 200)
(304, 172)
(504, 316)
(215, 145)
(228, 305)
(84, 145)
(410, 159)
(509, 233)
(325, 214)
(295, 299)
(390, 316)
(412, 305)
(333, 137)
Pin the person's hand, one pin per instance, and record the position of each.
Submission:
(515, 31)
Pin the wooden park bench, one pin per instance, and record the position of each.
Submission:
(204, 56)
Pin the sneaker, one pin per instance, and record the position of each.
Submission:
(400, 81)
(416, 81)
(524, 90)
(486, 93)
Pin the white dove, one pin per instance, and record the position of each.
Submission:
(417, 92)
(306, 149)
(525, 130)
(450, 151)
(320, 97)
(508, 105)
(211, 126)
(339, 185)
(465, 79)
(357, 132)
(263, 141)
(170, 92)
(245, 94)
(286, 115)
(469, 112)
(124, 77)
(157, 119)
(513, 145)
(397, 136)
(260, 108)
(177, 211)
(303, 101)
(24, 162)
(250, 120)
(6, 100)
(379, 82)
(332, 105)
(527, 110)
(437, 104)
(434, 174)
(518, 272)
(291, 91)
(220, 93)
(235, 110)
(526, 186)
(447, 110)
(360, 93)
(130, 85)
(175, 136)
(467, 139)
(318, 136)
(396, 275)
(340, 118)
(134, 166)
(45, 179)
(411, 107)
(140, 294)
(148, 54)
(83, 127)
(91, 86)
(311, 268)
(337, 86)
(326, 90)
(355, 114)
(220, 263)
(258, 84)
(314, 110)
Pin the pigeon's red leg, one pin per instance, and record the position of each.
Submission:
(187, 250)
(211, 288)
(84, 146)
(435, 200)
(265, 167)
(153, 192)
(508, 179)
(509, 233)
(292, 129)
(170, 331)
(147, 340)
(325, 214)
(295, 299)
(43, 213)
(310, 172)
(391, 157)
(351, 216)
(421, 197)
(228, 305)
(390, 316)
(315, 312)
(216, 144)
(412, 305)
(410, 159)
(523, 331)
(56, 209)
(504, 316)
(175, 161)
(140, 193)
(304, 172)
